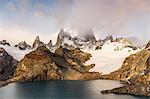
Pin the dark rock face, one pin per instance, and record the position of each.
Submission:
(148, 45)
(4, 42)
(23, 45)
(7, 65)
(136, 70)
(64, 64)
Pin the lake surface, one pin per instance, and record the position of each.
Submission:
(62, 90)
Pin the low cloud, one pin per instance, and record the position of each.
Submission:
(126, 17)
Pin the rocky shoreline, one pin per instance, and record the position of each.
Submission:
(135, 71)
(138, 89)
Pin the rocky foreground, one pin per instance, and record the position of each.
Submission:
(136, 72)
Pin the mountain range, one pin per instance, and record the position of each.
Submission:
(77, 58)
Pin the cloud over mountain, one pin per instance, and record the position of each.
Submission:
(116, 17)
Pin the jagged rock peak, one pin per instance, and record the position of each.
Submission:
(37, 39)
(4, 42)
(49, 44)
(22, 45)
(62, 34)
(60, 38)
(89, 35)
(37, 42)
(59, 42)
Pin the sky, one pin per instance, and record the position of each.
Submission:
(23, 20)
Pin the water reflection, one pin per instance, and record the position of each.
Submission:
(62, 90)
(52, 89)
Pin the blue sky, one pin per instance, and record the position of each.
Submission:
(25, 19)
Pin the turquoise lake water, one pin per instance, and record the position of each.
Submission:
(62, 90)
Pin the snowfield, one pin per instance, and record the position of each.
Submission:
(110, 57)
(15, 52)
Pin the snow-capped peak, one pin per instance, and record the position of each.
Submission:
(108, 54)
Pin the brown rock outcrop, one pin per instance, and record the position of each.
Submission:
(64, 64)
